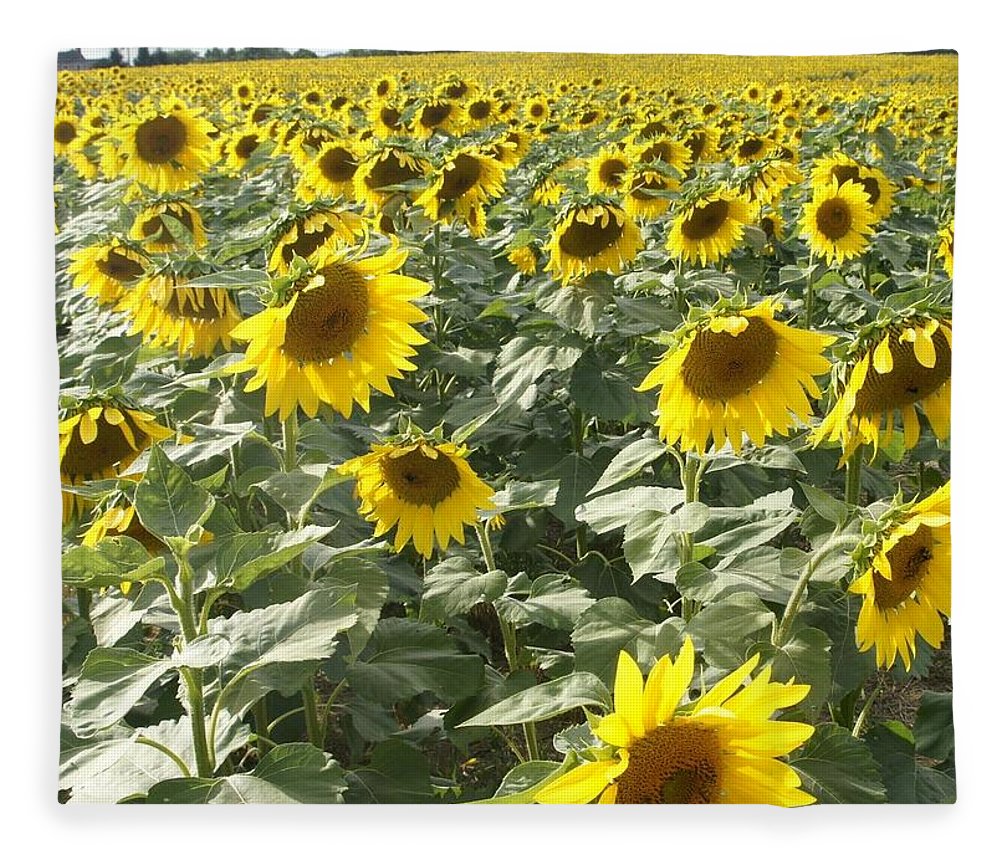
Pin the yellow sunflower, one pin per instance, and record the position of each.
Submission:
(838, 221)
(946, 250)
(101, 441)
(510, 148)
(163, 150)
(752, 148)
(907, 583)
(838, 168)
(386, 119)
(437, 115)
(67, 133)
(703, 144)
(720, 748)
(710, 228)
(157, 235)
(599, 237)
(606, 171)
(195, 320)
(244, 90)
(467, 181)
(105, 270)
(426, 490)
(381, 170)
(523, 259)
(480, 112)
(345, 330)
(329, 174)
(662, 149)
(733, 372)
(902, 365)
(537, 110)
(240, 145)
(309, 235)
(385, 87)
(644, 197)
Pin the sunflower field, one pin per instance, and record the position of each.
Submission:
(506, 428)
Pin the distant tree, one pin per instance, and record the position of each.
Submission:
(115, 58)
(142, 57)
(214, 55)
(304, 54)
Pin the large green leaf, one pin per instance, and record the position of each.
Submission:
(396, 773)
(298, 490)
(406, 657)
(907, 781)
(608, 392)
(167, 501)
(371, 588)
(290, 773)
(553, 600)
(723, 628)
(113, 561)
(806, 658)
(934, 728)
(758, 570)
(526, 495)
(265, 641)
(733, 530)
(629, 462)
(577, 690)
(242, 558)
(836, 767)
(454, 586)
(651, 539)
(611, 625)
(210, 440)
(617, 510)
(520, 363)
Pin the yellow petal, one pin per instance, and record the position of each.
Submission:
(628, 693)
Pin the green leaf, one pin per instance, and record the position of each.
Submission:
(237, 279)
(629, 462)
(836, 613)
(371, 587)
(577, 307)
(397, 773)
(829, 508)
(522, 496)
(906, 781)
(758, 570)
(651, 538)
(607, 392)
(243, 558)
(524, 781)
(454, 586)
(521, 362)
(113, 561)
(837, 768)
(406, 657)
(553, 600)
(934, 729)
(806, 658)
(290, 773)
(548, 700)
(617, 510)
(298, 490)
(167, 501)
(209, 441)
(612, 625)
(266, 640)
(732, 530)
(723, 628)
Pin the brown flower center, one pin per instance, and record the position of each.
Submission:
(675, 763)
(908, 381)
(197, 303)
(908, 560)
(456, 90)
(705, 221)
(246, 145)
(160, 139)
(537, 109)
(119, 267)
(338, 164)
(749, 148)
(433, 115)
(833, 218)
(383, 87)
(243, 91)
(390, 117)
(328, 320)
(582, 240)
(462, 177)
(612, 172)
(306, 243)
(696, 144)
(390, 171)
(65, 132)
(420, 480)
(659, 150)
(719, 366)
(104, 454)
(479, 110)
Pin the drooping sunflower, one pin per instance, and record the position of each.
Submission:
(386, 119)
(733, 371)
(157, 234)
(329, 174)
(664, 150)
(524, 259)
(194, 320)
(308, 235)
(426, 490)
(437, 115)
(838, 168)
(606, 171)
(467, 181)
(710, 228)
(240, 146)
(838, 221)
(382, 169)
(105, 270)
(598, 237)
(385, 87)
(723, 747)
(703, 144)
(644, 192)
(906, 581)
(120, 520)
(102, 440)
(892, 369)
(510, 148)
(946, 250)
(345, 329)
(163, 150)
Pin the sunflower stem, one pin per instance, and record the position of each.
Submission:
(691, 474)
(169, 753)
(260, 719)
(311, 711)
(83, 600)
(809, 293)
(196, 707)
(859, 724)
(531, 741)
(852, 481)
(290, 439)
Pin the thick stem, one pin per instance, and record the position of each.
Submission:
(311, 711)
(260, 725)
(852, 481)
(531, 741)
(169, 753)
(290, 439)
(859, 725)
(196, 702)
(83, 600)
(691, 473)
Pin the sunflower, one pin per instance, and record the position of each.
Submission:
(426, 490)
(606, 171)
(703, 144)
(907, 583)
(480, 112)
(720, 748)
(309, 235)
(547, 191)
(510, 148)
(710, 228)
(663, 149)
(329, 174)
(105, 270)
(244, 90)
(946, 250)
(523, 259)
(381, 170)
(599, 237)
(537, 110)
(193, 319)
(900, 365)
(240, 145)
(157, 235)
(121, 520)
(163, 150)
(467, 181)
(100, 441)
(385, 87)
(644, 192)
(773, 226)
(437, 115)
(838, 221)
(838, 168)
(736, 371)
(67, 133)
(386, 119)
(345, 330)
